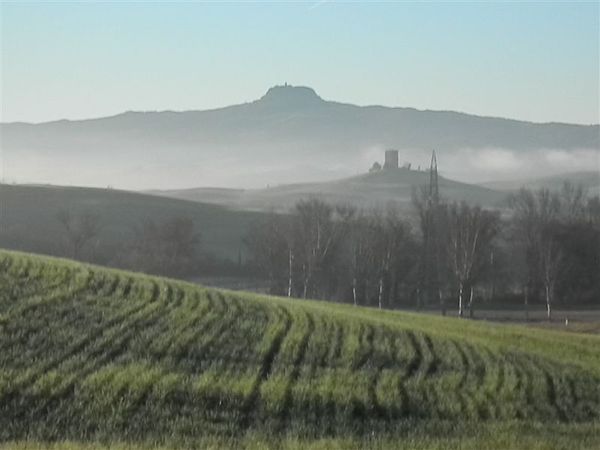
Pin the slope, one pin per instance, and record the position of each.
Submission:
(589, 180)
(95, 355)
(372, 190)
(28, 219)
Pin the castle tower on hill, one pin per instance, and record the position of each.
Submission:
(391, 159)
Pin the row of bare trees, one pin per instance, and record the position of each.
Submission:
(558, 234)
(167, 248)
(544, 241)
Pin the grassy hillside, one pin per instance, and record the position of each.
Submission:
(370, 190)
(92, 357)
(28, 219)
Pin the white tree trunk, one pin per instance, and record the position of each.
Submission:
(380, 296)
(527, 303)
(548, 302)
(460, 299)
(290, 280)
(471, 313)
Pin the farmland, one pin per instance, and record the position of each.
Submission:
(99, 358)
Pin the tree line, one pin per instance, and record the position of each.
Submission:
(169, 248)
(544, 248)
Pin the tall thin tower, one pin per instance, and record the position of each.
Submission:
(434, 190)
(431, 257)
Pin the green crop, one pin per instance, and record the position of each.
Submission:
(92, 357)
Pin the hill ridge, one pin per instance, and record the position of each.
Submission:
(290, 93)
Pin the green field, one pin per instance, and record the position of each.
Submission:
(96, 358)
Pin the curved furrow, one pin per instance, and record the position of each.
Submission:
(180, 349)
(243, 337)
(106, 351)
(462, 382)
(529, 385)
(336, 349)
(127, 289)
(427, 384)
(522, 389)
(402, 409)
(412, 369)
(201, 352)
(150, 343)
(479, 395)
(434, 361)
(287, 400)
(322, 345)
(380, 358)
(33, 327)
(70, 319)
(415, 362)
(552, 394)
(22, 293)
(80, 345)
(159, 351)
(112, 287)
(365, 350)
(135, 408)
(488, 405)
(36, 301)
(272, 345)
(500, 365)
(465, 364)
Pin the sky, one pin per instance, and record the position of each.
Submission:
(530, 61)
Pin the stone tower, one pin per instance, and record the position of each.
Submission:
(391, 159)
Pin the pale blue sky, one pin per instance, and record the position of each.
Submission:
(536, 61)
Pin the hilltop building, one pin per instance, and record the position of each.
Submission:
(391, 159)
(390, 162)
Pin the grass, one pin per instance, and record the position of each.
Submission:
(97, 358)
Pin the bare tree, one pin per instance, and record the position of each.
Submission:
(382, 254)
(361, 253)
(431, 213)
(573, 200)
(319, 229)
(389, 244)
(79, 229)
(167, 248)
(470, 234)
(269, 243)
(593, 211)
(536, 216)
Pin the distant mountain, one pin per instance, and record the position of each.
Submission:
(589, 180)
(288, 135)
(372, 190)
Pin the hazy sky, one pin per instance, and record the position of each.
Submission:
(537, 61)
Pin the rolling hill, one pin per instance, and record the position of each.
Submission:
(371, 190)
(93, 357)
(289, 135)
(28, 219)
(589, 180)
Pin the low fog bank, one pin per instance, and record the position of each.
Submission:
(172, 170)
